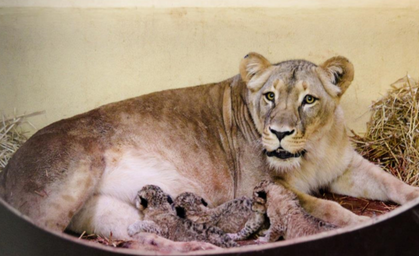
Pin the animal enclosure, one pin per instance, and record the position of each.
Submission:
(66, 60)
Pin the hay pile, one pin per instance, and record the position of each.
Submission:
(12, 136)
(392, 137)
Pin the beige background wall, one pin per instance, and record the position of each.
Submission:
(66, 60)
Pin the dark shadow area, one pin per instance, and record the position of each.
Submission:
(397, 235)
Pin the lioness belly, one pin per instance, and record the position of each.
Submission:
(128, 169)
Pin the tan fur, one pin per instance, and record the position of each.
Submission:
(213, 140)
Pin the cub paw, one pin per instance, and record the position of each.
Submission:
(233, 236)
(134, 228)
(262, 240)
(132, 231)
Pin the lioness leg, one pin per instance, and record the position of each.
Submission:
(105, 215)
(364, 179)
(147, 242)
(329, 211)
(52, 196)
(326, 210)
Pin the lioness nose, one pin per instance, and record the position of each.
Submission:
(281, 135)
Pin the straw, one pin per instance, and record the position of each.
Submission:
(12, 136)
(392, 136)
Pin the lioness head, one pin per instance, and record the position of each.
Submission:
(293, 103)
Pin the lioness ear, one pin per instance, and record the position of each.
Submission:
(336, 75)
(252, 69)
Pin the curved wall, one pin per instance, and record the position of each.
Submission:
(67, 57)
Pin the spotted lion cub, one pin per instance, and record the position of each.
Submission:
(287, 218)
(235, 217)
(161, 219)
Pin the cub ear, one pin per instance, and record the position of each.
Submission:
(261, 194)
(169, 199)
(143, 202)
(180, 212)
(204, 202)
(336, 75)
(252, 69)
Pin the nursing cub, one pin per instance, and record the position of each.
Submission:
(272, 121)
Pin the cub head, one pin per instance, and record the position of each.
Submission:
(152, 197)
(260, 194)
(189, 204)
(294, 104)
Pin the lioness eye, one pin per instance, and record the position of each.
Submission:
(308, 99)
(270, 96)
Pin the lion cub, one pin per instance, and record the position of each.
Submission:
(236, 217)
(287, 218)
(161, 219)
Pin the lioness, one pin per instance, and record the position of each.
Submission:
(272, 121)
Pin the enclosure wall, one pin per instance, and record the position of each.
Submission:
(67, 60)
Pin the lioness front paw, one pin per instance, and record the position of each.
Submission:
(196, 246)
(412, 195)
(157, 244)
(361, 219)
